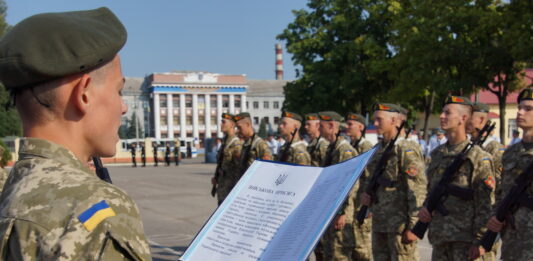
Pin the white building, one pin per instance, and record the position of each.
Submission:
(265, 101)
(137, 102)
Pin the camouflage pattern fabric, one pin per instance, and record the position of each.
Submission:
(317, 150)
(45, 205)
(452, 251)
(252, 149)
(3, 178)
(396, 205)
(297, 153)
(391, 247)
(229, 175)
(517, 243)
(467, 218)
(495, 149)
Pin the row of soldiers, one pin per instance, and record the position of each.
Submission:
(400, 201)
(168, 151)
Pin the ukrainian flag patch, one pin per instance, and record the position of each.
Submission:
(485, 160)
(409, 152)
(91, 217)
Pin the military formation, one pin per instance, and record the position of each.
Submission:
(67, 90)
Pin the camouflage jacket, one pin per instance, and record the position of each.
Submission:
(252, 149)
(229, 173)
(363, 146)
(3, 178)
(495, 149)
(517, 243)
(55, 208)
(317, 150)
(467, 218)
(297, 153)
(396, 205)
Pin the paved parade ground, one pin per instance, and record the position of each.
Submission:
(175, 202)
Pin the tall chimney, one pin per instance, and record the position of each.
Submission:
(279, 62)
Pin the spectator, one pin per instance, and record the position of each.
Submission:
(436, 140)
(422, 142)
(516, 138)
(272, 144)
(281, 142)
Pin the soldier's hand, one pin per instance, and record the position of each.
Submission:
(213, 181)
(408, 237)
(366, 199)
(495, 225)
(475, 252)
(424, 215)
(340, 222)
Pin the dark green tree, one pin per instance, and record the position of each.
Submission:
(263, 132)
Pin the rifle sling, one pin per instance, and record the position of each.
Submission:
(462, 193)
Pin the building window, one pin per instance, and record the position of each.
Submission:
(276, 120)
(175, 101)
(176, 119)
(188, 120)
(511, 126)
(225, 101)
(188, 101)
(265, 105)
(247, 105)
(256, 105)
(237, 101)
(163, 120)
(201, 102)
(163, 100)
(256, 120)
(213, 121)
(213, 101)
(266, 120)
(201, 120)
(276, 105)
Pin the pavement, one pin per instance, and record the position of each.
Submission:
(175, 202)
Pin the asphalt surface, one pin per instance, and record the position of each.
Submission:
(175, 202)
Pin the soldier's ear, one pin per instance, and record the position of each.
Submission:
(82, 95)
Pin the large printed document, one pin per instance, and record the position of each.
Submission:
(276, 211)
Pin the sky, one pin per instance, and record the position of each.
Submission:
(226, 37)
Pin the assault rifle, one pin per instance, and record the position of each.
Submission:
(316, 145)
(244, 156)
(218, 170)
(514, 198)
(329, 153)
(285, 153)
(101, 171)
(376, 179)
(356, 143)
(485, 132)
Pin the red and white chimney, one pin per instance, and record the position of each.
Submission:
(279, 62)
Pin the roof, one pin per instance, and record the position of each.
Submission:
(133, 84)
(265, 88)
(488, 97)
(193, 77)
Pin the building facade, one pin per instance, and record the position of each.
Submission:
(138, 104)
(265, 102)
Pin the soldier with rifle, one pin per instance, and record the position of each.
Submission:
(228, 160)
(338, 241)
(254, 147)
(514, 212)
(318, 145)
(133, 150)
(143, 154)
(294, 151)
(461, 189)
(396, 188)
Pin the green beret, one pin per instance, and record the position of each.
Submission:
(451, 99)
(330, 116)
(228, 116)
(403, 110)
(525, 94)
(291, 115)
(49, 46)
(312, 117)
(241, 116)
(386, 107)
(356, 117)
(480, 107)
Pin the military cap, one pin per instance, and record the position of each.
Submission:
(241, 116)
(452, 99)
(403, 110)
(312, 117)
(386, 107)
(356, 117)
(480, 107)
(291, 115)
(330, 116)
(49, 46)
(525, 94)
(228, 116)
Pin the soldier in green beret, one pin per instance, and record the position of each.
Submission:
(401, 191)
(295, 149)
(3, 172)
(254, 147)
(228, 159)
(455, 230)
(65, 77)
(516, 235)
(338, 241)
(318, 146)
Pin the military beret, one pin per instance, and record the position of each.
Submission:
(228, 116)
(480, 107)
(241, 116)
(291, 115)
(330, 116)
(49, 46)
(356, 117)
(312, 117)
(403, 110)
(386, 107)
(451, 99)
(525, 94)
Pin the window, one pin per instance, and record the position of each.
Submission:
(188, 120)
(176, 119)
(511, 126)
(175, 101)
(276, 105)
(213, 121)
(201, 102)
(247, 105)
(266, 120)
(188, 101)
(213, 101)
(225, 101)
(163, 120)
(237, 101)
(256, 120)
(256, 105)
(201, 119)
(276, 120)
(163, 100)
(265, 105)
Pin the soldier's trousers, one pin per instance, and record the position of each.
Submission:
(363, 242)
(338, 245)
(451, 251)
(389, 247)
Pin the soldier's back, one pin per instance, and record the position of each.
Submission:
(298, 153)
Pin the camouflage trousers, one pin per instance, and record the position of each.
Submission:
(452, 251)
(363, 243)
(389, 247)
(338, 245)
(224, 187)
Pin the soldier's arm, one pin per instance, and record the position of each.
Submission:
(263, 150)
(302, 158)
(483, 184)
(413, 170)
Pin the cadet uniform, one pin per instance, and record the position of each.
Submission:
(228, 160)
(167, 155)
(253, 148)
(53, 206)
(401, 192)
(143, 154)
(3, 172)
(133, 154)
(154, 148)
(297, 152)
(317, 151)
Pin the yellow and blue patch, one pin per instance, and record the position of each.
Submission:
(408, 152)
(91, 217)
(502, 150)
(485, 160)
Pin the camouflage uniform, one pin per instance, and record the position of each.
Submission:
(228, 175)
(453, 235)
(517, 244)
(363, 243)
(317, 150)
(45, 200)
(339, 244)
(297, 153)
(252, 149)
(398, 199)
(3, 172)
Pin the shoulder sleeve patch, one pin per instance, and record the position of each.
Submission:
(91, 217)
(485, 160)
(502, 150)
(412, 171)
(489, 182)
(409, 152)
